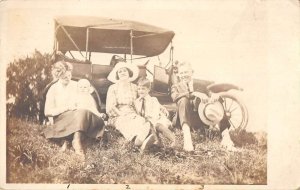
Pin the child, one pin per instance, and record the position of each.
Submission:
(152, 110)
(84, 99)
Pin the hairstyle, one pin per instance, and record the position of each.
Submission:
(115, 59)
(184, 64)
(60, 68)
(129, 72)
(143, 81)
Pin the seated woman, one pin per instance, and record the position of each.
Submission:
(68, 120)
(120, 105)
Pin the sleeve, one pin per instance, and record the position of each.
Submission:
(175, 95)
(160, 109)
(136, 107)
(163, 111)
(92, 105)
(90, 102)
(111, 102)
(51, 109)
(156, 105)
(73, 98)
(154, 111)
(134, 89)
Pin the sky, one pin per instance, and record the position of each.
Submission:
(225, 38)
(225, 41)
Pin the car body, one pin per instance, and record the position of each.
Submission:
(129, 41)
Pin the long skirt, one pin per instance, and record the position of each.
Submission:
(132, 125)
(70, 122)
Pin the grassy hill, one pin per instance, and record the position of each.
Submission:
(33, 159)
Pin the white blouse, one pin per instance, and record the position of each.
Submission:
(59, 98)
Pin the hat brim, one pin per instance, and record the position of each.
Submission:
(204, 118)
(113, 74)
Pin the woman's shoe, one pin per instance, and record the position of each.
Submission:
(173, 144)
(147, 142)
(65, 146)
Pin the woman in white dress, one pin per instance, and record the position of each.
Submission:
(69, 121)
(120, 105)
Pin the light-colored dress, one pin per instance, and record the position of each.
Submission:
(69, 122)
(130, 124)
(59, 96)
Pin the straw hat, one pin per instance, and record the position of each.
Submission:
(211, 113)
(133, 68)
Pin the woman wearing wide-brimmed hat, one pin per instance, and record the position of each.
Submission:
(69, 121)
(120, 104)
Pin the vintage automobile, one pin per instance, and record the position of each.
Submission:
(130, 41)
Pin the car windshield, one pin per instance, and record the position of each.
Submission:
(105, 58)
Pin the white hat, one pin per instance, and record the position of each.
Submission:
(133, 68)
(211, 113)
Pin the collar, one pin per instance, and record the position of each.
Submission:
(61, 86)
(145, 98)
(190, 82)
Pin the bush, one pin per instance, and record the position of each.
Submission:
(26, 79)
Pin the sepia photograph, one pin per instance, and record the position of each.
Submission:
(142, 94)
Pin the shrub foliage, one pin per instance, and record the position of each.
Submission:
(26, 79)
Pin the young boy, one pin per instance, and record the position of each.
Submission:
(153, 111)
(84, 99)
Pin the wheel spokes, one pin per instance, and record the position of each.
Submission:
(226, 107)
(231, 124)
(233, 109)
(238, 122)
(236, 119)
(225, 104)
(234, 113)
(230, 104)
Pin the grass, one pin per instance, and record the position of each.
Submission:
(33, 159)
